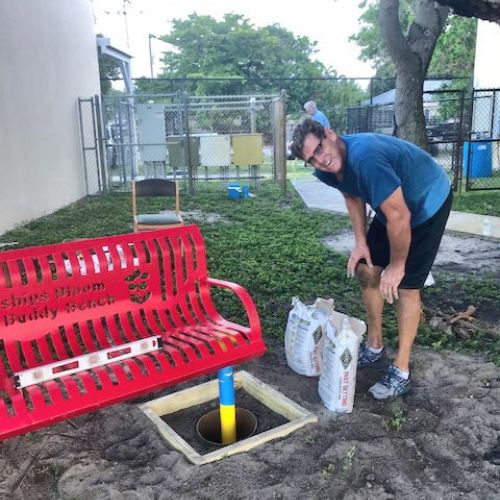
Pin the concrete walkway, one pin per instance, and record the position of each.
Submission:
(322, 197)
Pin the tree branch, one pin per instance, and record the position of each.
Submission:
(411, 55)
(423, 33)
(392, 33)
(489, 10)
(430, 19)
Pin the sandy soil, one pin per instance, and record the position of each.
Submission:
(440, 441)
(459, 253)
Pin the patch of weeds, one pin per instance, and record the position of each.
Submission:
(348, 460)
(437, 339)
(398, 419)
(327, 471)
(309, 440)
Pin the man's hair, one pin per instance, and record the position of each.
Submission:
(310, 106)
(308, 126)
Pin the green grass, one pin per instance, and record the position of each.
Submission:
(478, 202)
(296, 169)
(270, 244)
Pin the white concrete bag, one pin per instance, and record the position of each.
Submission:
(337, 383)
(304, 335)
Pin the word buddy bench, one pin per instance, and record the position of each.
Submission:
(89, 323)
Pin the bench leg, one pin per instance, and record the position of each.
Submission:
(227, 405)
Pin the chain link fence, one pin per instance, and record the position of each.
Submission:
(481, 151)
(193, 139)
(227, 129)
(89, 126)
(333, 94)
(463, 133)
(446, 120)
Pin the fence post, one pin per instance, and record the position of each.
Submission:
(253, 127)
(132, 136)
(101, 142)
(121, 148)
(279, 115)
(458, 174)
(83, 144)
(187, 145)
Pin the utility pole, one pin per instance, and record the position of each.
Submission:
(151, 58)
(151, 55)
(125, 2)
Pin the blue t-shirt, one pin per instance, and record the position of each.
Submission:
(321, 118)
(376, 165)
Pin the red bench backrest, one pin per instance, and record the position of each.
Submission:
(64, 300)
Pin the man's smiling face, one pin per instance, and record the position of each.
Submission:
(326, 154)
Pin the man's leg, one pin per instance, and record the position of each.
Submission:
(396, 381)
(409, 305)
(369, 279)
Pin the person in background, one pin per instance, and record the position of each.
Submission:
(311, 109)
(411, 196)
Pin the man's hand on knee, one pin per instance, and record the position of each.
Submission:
(359, 252)
(390, 279)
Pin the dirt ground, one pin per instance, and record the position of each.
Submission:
(457, 252)
(442, 440)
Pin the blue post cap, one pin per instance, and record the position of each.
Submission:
(226, 386)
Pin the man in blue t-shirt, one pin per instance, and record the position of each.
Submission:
(411, 196)
(311, 109)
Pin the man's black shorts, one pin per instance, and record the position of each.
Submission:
(425, 240)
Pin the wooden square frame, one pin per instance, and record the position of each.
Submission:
(296, 415)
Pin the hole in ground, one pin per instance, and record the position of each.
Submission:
(184, 422)
(208, 426)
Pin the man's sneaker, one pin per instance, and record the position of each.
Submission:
(366, 357)
(391, 385)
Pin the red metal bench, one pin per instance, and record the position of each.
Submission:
(89, 323)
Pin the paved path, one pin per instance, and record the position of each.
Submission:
(322, 197)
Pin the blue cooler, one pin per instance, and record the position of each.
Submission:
(234, 191)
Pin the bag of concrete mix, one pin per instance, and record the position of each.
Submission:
(304, 335)
(337, 382)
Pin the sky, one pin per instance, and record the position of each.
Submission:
(329, 22)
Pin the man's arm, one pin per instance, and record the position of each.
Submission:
(399, 233)
(357, 214)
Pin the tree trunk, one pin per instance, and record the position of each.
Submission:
(411, 54)
(408, 106)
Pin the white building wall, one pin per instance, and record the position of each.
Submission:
(486, 112)
(487, 76)
(486, 69)
(48, 59)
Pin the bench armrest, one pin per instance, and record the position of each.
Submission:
(243, 295)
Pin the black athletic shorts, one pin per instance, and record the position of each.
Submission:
(425, 240)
